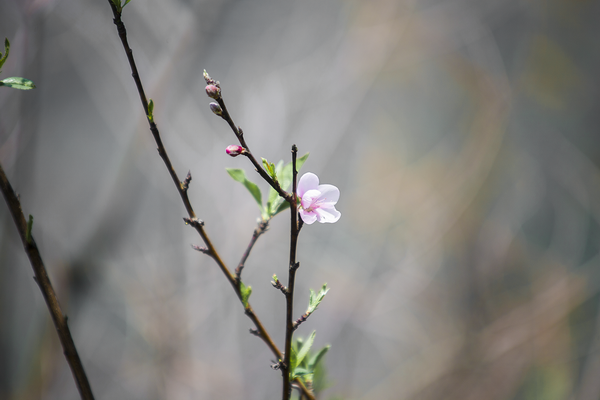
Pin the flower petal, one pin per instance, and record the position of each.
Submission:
(309, 181)
(327, 214)
(309, 217)
(329, 194)
(310, 197)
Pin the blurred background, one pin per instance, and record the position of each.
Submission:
(463, 135)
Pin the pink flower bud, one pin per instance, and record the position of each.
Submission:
(234, 150)
(214, 92)
(216, 109)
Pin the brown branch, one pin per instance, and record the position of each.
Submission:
(182, 189)
(43, 281)
(263, 226)
(289, 297)
(258, 166)
(213, 90)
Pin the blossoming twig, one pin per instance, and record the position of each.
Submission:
(210, 249)
(43, 281)
(182, 189)
(289, 294)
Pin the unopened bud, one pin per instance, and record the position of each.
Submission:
(234, 150)
(213, 92)
(216, 109)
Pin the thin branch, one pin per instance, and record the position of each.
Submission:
(263, 226)
(293, 266)
(277, 285)
(258, 166)
(300, 320)
(213, 90)
(211, 250)
(43, 281)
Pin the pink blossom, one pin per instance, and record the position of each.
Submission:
(317, 202)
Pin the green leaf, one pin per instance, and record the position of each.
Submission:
(299, 371)
(245, 291)
(315, 299)
(293, 360)
(320, 380)
(151, 110)
(240, 176)
(16, 82)
(316, 358)
(6, 50)
(270, 168)
(305, 348)
(276, 204)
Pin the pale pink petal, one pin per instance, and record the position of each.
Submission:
(329, 194)
(328, 215)
(309, 181)
(309, 198)
(309, 217)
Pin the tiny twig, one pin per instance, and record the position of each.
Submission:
(263, 226)
(43, 281)
(201, 249)
(186, 183)
(277, 285)
(300, 320)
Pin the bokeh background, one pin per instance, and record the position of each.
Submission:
(463, 135)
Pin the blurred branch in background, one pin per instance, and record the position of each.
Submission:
(41, 277)
(464, 138)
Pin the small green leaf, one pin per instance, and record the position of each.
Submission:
(245, 291)
(305, 348)
(315, 299)
(299, 371)
(29, 227)
(6, 50)
(16, 82)
(293, 360)
(270, 168)
(320, 380)
(151, 110)
(316, 359)
(240, 176)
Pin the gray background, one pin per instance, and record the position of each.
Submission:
(461, 133)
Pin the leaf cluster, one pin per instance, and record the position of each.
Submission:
(307, 365)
